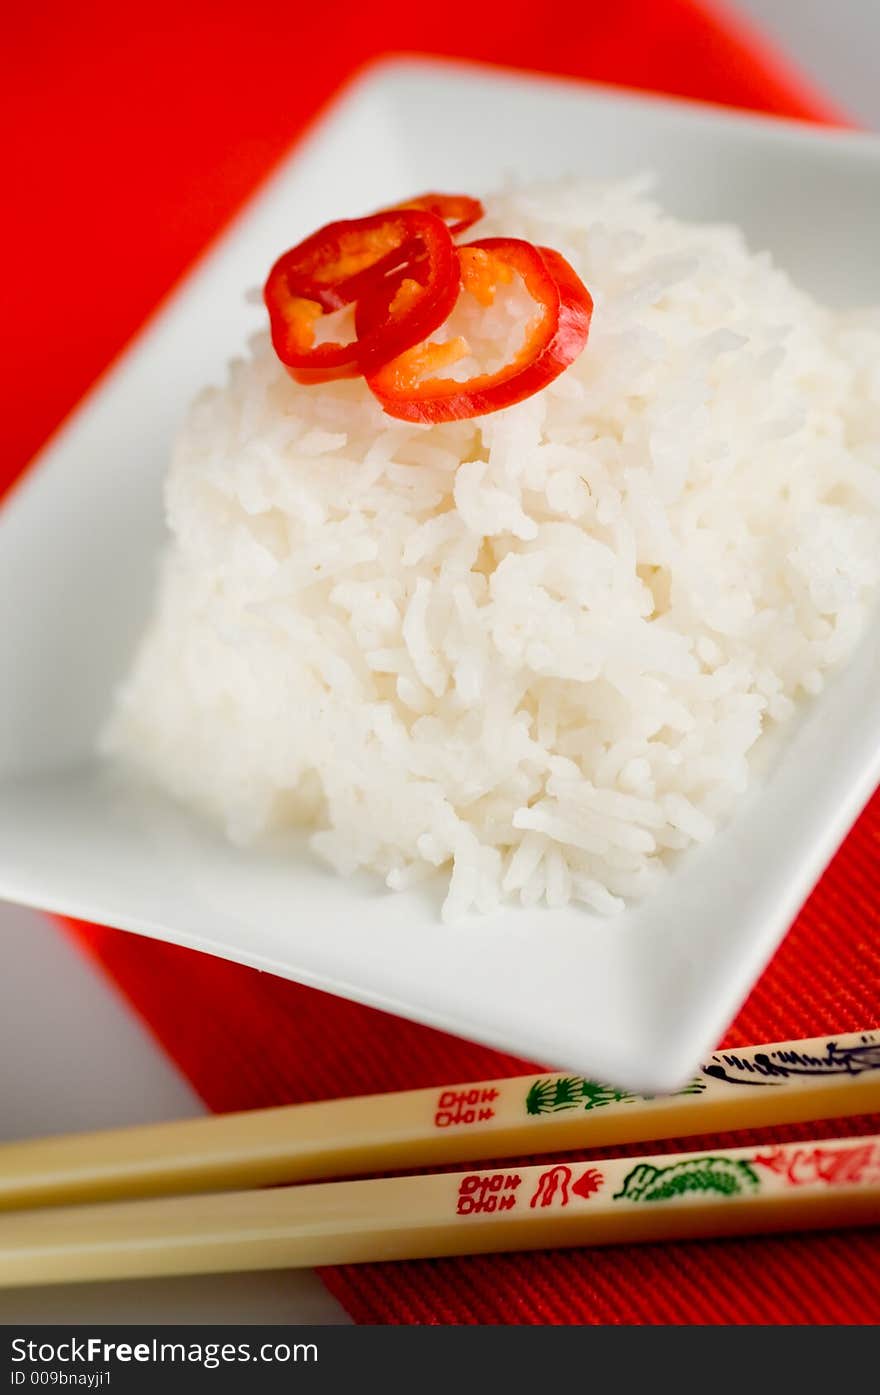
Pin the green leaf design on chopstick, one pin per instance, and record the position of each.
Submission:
(726, 1176)
(550, 1095)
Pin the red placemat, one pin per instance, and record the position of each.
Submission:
(140, 134)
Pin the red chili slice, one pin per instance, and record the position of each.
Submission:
(459, 211)
(383, 314)
(385, 300)
(328, 264)
(553, 339)
(344, 260)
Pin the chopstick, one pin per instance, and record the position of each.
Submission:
(686, 1195)
(748, 1087)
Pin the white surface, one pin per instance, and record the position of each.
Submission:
(636, 999)
(53, 1006)
(73, 1057)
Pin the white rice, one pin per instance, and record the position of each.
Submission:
(535, 650)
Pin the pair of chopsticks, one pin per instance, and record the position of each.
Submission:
(64, 1217)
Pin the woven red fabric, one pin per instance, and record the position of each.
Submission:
(140, 134)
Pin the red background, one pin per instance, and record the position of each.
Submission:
(138, 133)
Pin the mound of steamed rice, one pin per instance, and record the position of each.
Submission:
(537, 649)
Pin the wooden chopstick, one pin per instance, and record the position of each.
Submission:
(677, 1196)
(779, 1083)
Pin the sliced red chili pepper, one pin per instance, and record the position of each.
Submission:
(385, 314)
(324, 267)
(340, 262)
(292, 320)
(408, 387)
(459, 211)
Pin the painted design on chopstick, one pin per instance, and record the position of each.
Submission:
(554, 1184)
(464, 1107)
(588, 1184)
(552, 1187)
(550, 1095)
(726, 1176)
(481, 1193)
(775, 1067)
(835, 1166)
(798, 1166)
(486, 1192)
(702, 1176)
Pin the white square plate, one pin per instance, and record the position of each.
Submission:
(636, 999)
